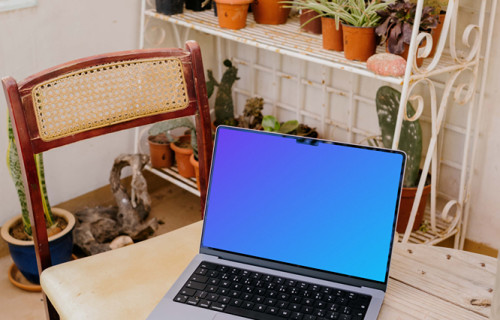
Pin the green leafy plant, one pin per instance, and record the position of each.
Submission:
(165, 127)
(330, 9)
(15, 172)
(269, 123)
(410, 141)
(224, 108)
(358, 13)
(397, 24)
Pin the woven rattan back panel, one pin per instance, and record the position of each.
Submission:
(107, 94)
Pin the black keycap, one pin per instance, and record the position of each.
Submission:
(201, 294)
(223, 268)
(255, 275)
(332, 315)
(218, 306)
(201, 271)
(180, 298)
(187, 291)
(208, 265)
(284, 313)
(270, 301)
(223, 299)
(345, 317)
(211, 288)
(260, 307)
(204, 303)
(195, 285)
(234, 271)
(192, 301)
(236, 302)
(212, 296)
(213, 274)
(247, 305)
(223, 291)
(259, 299)
(272, 310)
(282, 304)
(309, 317)
(297, 316)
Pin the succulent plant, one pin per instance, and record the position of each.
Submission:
(224, 108)
(252, 114)
(15, 172)
(269, 123)
(410, 140)
(397, 24)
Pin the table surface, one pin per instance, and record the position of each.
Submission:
(424, 282)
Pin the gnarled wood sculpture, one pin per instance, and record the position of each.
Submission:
(103, 228)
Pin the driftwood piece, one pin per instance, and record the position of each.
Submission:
(98, 227)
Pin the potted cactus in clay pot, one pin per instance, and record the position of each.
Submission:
(410, 141)
(17, 232)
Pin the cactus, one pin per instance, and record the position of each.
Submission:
(224, 109)
(165, 126)
(410, 141)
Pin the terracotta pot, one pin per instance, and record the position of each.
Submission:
(359, 42)
(436, 34)
(407, 199)
(160, 154)
(196, 166)
(420, 61)
(269, 12)
(332, 37)
(23, 252)
(182, 155)
(232, 14)
(314, 26)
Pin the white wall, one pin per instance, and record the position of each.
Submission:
(53, 32)
(485, 209)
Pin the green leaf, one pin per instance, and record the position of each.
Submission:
(269, 123)
(289, 126)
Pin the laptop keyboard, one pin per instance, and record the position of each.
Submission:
(262, 296)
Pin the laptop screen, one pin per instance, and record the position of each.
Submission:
(305, 202)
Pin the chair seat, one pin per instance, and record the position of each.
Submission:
(126, 283)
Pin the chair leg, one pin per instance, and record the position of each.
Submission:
(50, 311)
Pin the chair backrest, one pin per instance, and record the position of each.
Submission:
(99, 95)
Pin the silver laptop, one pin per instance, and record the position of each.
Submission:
(295, 228)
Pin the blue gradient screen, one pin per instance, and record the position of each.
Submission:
(319, 205)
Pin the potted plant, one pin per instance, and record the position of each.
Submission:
(440, 7)
(17, 231)
(309, 21)
(410, 141)
(397, 26)
(159, 151)
(198, 5)
(269, 123)
(270, 11)
(329, 12)
(252, 114)
(169, 7)
(232, 14)
(183, 146)
(224, 108)
(359, 19)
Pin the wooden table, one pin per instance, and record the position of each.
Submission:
(425, 282)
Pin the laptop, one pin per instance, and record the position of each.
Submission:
(295, 228)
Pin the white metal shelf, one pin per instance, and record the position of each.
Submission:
(438, 86)
(173, 176)
(287, 39)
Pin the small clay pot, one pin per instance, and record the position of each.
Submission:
(314, 26)
(332, 37)
(182, 155)
(160, 153)
(359, 42)
(436, 34)
(269, 12)
(232, 14)
(407, 199)
(196, 166)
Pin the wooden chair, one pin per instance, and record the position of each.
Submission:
(98, 95)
